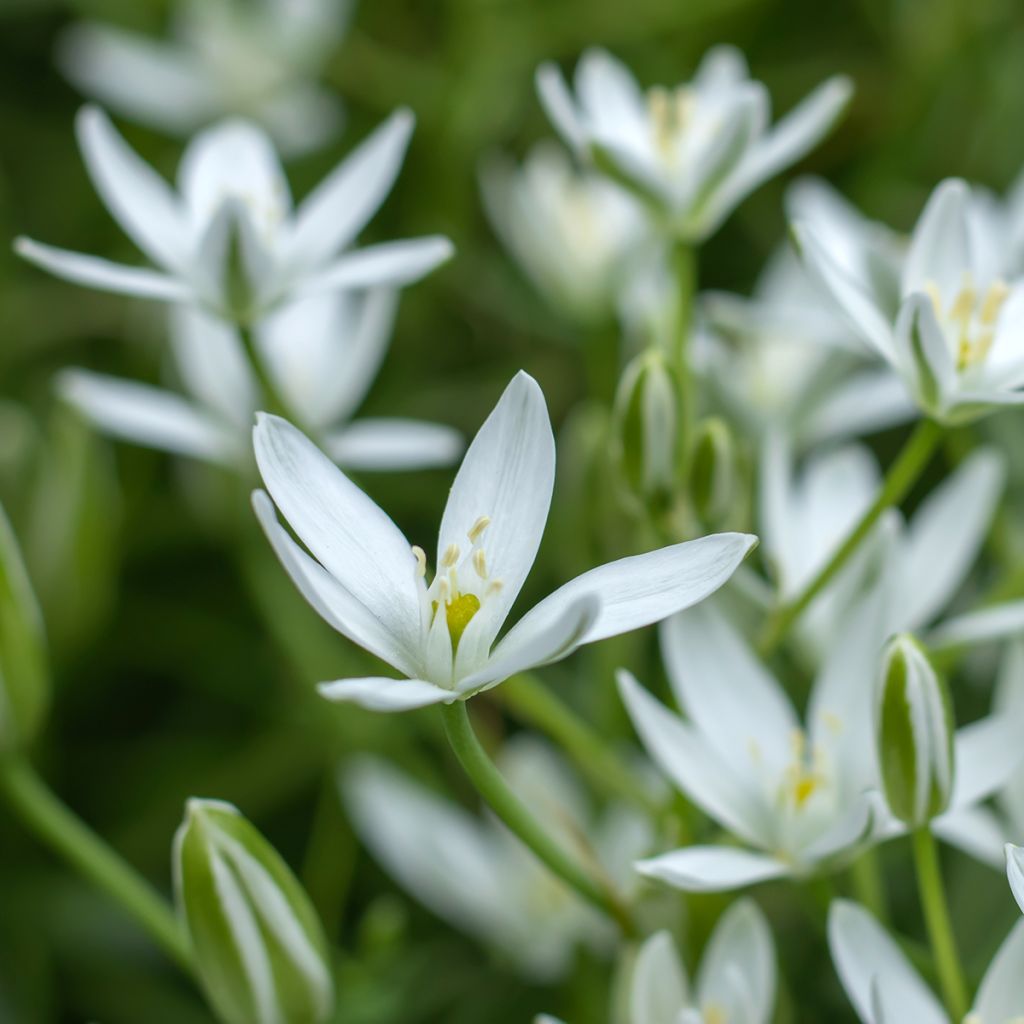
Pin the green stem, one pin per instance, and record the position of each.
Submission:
(271, 400)
(532, 703)
(902, 475)
(510, 809)
(936, 915)
(57, 826)
(868, 884)
(685, 268)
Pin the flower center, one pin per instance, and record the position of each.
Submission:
(714, 1013)
(670, 113)
(971, 317)
(803, 777)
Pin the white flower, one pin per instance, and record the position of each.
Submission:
(473, 873)
(734, 985)
(799, 797)
(367, 581)
(320, 354)
(805, 516)
(223, 58)
(950, 322)
(886, 989)
(696, 150)
(230, 239)
(572, 232)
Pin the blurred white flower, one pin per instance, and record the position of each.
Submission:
(476, 875)
(950, 321)
(884, 987)
(694, 151)
(223, 58)
(320, 355)
(367, 581)
(804, 517)
(734, 985)
(799, 798)
(230, 240)
(572, 232)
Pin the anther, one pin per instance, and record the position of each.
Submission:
(480, 563)
(477, 529)
(993, 301)
(450, 556)
(421, 560)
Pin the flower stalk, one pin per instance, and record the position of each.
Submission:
(902, 476)
(56, 825)
(517, 817)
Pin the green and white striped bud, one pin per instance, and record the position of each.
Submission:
(258, 944)
(914, 734)
(24, 671)
(713, 470)
(647, 425)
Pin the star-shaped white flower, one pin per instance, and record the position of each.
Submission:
(950, 321)
(371, 585)
(695, 151)
(229, 239)
(885, 988)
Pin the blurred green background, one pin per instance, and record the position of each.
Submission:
(183, 662)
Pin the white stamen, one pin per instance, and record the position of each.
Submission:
(480, 563)
(477, 529)
(450, 556)
(421, 560)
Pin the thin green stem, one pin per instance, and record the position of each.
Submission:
(57, 826)
(271, 395)
(510, 809)
(869, 885)
(902, 475)
(685, 269)
(936, 916)
(534, 704)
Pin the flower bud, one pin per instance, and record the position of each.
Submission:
(259, 947)
(647, 425)
(713, 470)
(24, 673)
(914, 734)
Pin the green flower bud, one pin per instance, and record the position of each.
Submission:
(914, 734)
(259, 947)
(24, 673)
(647, 425)
(713, 470)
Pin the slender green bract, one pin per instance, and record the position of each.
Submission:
(902, 475)
(936, 916)
(510, 809)
(56, 825)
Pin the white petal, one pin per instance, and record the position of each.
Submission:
(643, 589)
(378, 693)
(391, 264)
(939, 251)
(727, 693)
(866, 957)
(987, 753)
(151, 417)
(945, 536)
(987, 624)
(719, 68)
(977, 831)
(1001, 995)
(659, 991)
(1015, 872)
(712, 868)
(866, 402)
(557, 101)
(354, 540)
(141, 201)
(922, 354)
(741, 941)
(213, 365)
(507, 474)
(331, 216)
(392, 444)
(695, 766)
(329, 598)
(94, 272)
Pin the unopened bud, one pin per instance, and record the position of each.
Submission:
(914, 734)
(24, 672)
(713, 470)
(259, 947)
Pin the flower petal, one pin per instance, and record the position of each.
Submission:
(868, 961)
(507, 474)
(922, 355)
(712, 868)
(983, 626)
(659, 990)
(939, 253)
(695, 766)
(977, 831)
(1001, 993)
(139, 199)
(150, 416)
(331, 216)
(866, 402)
(557, 101)
(353, 539)
(328, 597)
(378, 693)
(393, 444)
(987, 753)
(642, 589)
(94, 272)
(391, 264)
(1015, 872)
